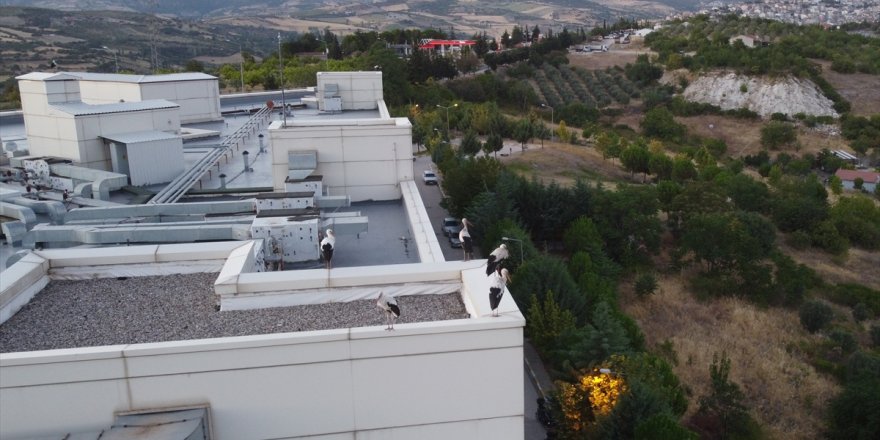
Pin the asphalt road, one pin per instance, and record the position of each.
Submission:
(431, 196)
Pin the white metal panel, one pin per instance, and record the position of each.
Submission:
(155, 162)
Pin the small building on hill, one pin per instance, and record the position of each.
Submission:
(870, 179)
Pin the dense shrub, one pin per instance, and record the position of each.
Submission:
(844, 339)
(646, 284)
(776, 134)
(663, 427)
(855, 413)
(852, 294)
(815, 315)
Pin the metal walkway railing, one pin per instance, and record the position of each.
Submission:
(179, 186)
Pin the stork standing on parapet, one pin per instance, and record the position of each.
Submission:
(388, 305)
(497, 281)
(464, 236)
(500, 253)
(327, 246)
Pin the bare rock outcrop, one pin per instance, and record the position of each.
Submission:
(763, 95)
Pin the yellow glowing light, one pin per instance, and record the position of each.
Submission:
(594, 395)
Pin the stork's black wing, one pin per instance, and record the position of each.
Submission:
(394, 309)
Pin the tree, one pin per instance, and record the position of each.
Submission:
(462, 176)
(661, 166)
(494, 143)
(660, 123)
(836, 184)
(777, 134)
(542, 274)
(596, 341)
(547, 321)
(194, 66)
(564, 134)
(470, 145)
(855, 413)
(635, 158)
(728, 241)
(523, 132)
(858, 219)
(858, 183)
(724, 403)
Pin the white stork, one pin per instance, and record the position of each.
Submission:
(497, 282)
(495, 258)
(388, 305)
(327, 246)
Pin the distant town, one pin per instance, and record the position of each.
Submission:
(801, 12)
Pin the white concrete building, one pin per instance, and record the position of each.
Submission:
(197, 94)
(60, 124)
(454, 379)
(353, 142)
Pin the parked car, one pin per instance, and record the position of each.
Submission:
(429, 177)
(451, 227)
(454, 242)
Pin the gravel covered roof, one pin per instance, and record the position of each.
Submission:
(85, 313)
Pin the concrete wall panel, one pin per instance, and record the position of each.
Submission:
(52, 410)
(507, 428)
(443, 387)
(264, 403)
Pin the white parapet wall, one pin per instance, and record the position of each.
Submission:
(458, 379)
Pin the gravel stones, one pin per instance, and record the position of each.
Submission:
(109, 311)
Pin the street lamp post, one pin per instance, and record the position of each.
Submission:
(551, 119)
(521, 259)
(447, 116)
(241, 66)
(115, 57)
(281, 70)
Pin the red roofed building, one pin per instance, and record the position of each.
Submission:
(848, 177)
(444, 47)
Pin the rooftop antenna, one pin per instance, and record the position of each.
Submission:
(281, 70)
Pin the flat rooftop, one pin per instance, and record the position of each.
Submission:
(114, 311)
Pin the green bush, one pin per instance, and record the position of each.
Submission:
(875, 335)
(863, 365)
(855, 413)
(852, 294)
(844, 339)
(777, 134)
(799, 240)
(860, 312)
(663, 427)
(646, 284)
(815, 315)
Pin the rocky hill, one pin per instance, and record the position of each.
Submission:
(764, 95)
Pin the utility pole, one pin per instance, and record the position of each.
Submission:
(241, 66)
(281, 70)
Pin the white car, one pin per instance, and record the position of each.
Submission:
(429, 177)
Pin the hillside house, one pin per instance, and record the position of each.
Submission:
(870, 179)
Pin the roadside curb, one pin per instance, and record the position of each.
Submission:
(535, 369)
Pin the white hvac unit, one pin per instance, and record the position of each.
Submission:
(312, 184)
(287, 200)
(297, 240)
